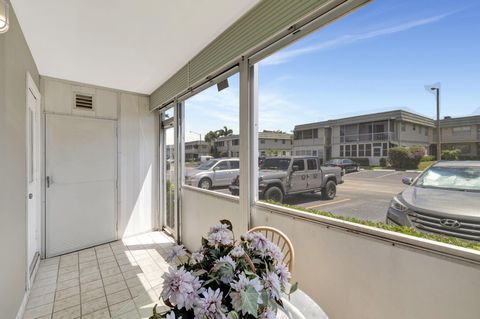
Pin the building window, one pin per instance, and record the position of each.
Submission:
(426, 131)
(368, 150)
(314, 153)
(377, 151)
(307, 134)
(284, 153)
(361, 150)
(354, 150)
(297, 135)
(236, 142)
(347, 150)
(404, 127)
(461, 130)
(341, 150)
(414, 128)
(315, 133)
(420, 130)
(283, 141)
(385, 149)
(262, 141)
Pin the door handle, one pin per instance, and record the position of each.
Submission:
(48, 181)
(30, 196)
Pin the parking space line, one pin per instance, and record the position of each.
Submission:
(385, 175)
(330, 203)
(372, 190)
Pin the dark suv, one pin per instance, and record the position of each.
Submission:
(347, 165)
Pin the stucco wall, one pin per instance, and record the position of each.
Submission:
(15, 61)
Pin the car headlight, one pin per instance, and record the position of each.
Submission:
(397, 205)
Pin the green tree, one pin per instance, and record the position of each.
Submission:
(225, 131)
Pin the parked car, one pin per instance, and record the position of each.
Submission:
(282, 176)
(213, 173)
(444, 199)
(347, 165)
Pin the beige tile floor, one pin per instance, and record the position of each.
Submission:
(121, 279)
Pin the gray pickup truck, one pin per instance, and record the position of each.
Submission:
(282, 176)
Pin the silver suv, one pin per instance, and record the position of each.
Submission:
(444, 199)
(216, 172)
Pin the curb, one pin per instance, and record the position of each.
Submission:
(413, 171)
(384, 170)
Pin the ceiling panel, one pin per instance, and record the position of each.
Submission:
(128, 45)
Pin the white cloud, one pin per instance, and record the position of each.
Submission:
(285, 56)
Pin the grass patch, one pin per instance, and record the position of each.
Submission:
(399, 229)
(424, 165)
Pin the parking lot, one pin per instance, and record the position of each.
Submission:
(364, 195)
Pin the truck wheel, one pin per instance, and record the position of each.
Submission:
(330, 190)
(205, 183)
(274, 193)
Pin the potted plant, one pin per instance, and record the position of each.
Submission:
(226, 278)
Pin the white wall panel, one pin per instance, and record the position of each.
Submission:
(353, 276)
(138, 166)
(201, 210)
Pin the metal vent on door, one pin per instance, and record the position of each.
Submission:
(84, 101)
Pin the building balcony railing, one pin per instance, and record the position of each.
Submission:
(367, 137)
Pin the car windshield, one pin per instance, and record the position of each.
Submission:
(452, 178)
(207, 165)
(278, 164)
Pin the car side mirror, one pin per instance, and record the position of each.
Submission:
(295, 168)
(407, 180)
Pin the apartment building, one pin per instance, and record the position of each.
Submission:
(195, 149)
(462, 133)
(366, 136)
(270, 143)
(371, 135)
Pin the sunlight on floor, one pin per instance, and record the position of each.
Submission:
(121, 279)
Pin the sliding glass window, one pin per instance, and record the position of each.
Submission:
(211, 131)
(338, 107)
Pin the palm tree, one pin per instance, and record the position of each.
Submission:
(211, 136)
(225, 131)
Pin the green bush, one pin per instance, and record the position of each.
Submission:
(399, 229)
(383, 162)
(450, 155)
(362, 161)
(404, 157)
(427, 158)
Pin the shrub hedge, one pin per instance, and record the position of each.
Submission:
(404, 157)
(399, 229)
(450, 155)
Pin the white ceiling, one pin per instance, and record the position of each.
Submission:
(129, 45)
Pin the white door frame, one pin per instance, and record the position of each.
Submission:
(33, 180)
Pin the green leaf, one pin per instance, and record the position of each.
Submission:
(233, 315)
(249, 300)
(199, 272)
(293, 288)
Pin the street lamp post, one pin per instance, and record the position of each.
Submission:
(435, 89)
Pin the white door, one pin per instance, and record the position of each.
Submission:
(80, 183)
(33, 176)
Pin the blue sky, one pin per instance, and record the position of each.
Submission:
(376, 59)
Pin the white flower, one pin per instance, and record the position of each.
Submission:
(210, 305)
(181, 288)
(219, 227)
(219, 235)
(237, 252)
(274, 252)
(171, 315)
(259, 242)
(242, 284)
(283, 274)
(224, 260)
(197, 257)
(268, 314)
(272, 285)
(177, 251)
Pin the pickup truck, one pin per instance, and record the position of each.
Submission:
(282, 176)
